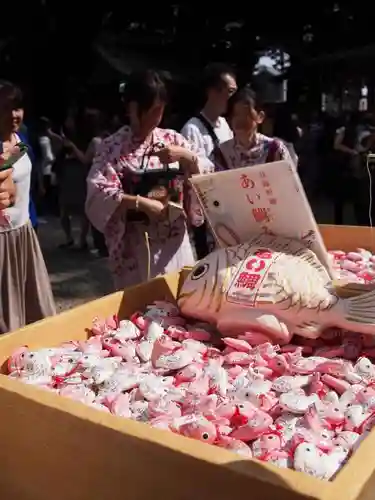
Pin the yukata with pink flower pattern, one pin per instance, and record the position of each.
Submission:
(118, 160)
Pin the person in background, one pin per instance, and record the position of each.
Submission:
(97, 130)
(26, 294)
(71, 174)
(208, 129)
(363, 184)
(285, 129)
(46, 161)
(248, 146)
(146, 234)
(345, 162)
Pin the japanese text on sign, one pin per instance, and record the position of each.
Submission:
(250, 276)
(246, 182)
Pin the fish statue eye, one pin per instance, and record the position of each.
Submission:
(205, 435)
(216, 203)
(200, 271)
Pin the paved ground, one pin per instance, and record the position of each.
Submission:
(75, 277)
(78, 278)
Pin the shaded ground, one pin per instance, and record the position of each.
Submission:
(77, 278)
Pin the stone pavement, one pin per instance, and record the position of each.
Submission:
(77, 278)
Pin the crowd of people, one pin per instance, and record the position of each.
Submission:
(126, 179)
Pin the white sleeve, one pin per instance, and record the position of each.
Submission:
(192, 133)
(92, 149)
(46, 150)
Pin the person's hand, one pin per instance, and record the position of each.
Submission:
(170, 154)
(152, 208)
(7, 189)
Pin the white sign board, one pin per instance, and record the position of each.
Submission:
(263, 198)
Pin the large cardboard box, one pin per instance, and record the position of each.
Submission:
(55, 448)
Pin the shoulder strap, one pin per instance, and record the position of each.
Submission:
(210, 129)
(273, 147)
(217, 151)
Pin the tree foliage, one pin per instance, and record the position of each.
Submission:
(49, 42)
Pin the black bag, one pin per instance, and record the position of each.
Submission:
(155, 184)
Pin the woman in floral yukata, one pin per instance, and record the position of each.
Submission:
(146, 234)
(248, 146)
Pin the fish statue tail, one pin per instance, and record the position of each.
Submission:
(360, 312)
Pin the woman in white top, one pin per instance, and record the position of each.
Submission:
(26, 294)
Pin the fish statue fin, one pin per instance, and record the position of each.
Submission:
(361, 309)
(345, 289)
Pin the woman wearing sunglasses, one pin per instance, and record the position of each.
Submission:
(135, 188)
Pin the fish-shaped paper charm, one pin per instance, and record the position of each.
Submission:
(235, 446)
(218, 378)
(78, 393)
(189, 374)
(306, 366)
(346, 439)
(309, 459)
(274, 285)
(91, 346)
(145, 347)
(295, 402)
(16, 361)
(116, 384)
(120, 406)
(271, 440)
(256, 425)
(153, 387)
(161, 407)
(288, 422)
(331, 412)
(127, 330)
(103, 370)
(174, 360)
(366, 396)
(36, 370)
(365, 369)
(287, 383)
(279, 458)
(251, 392)
(355, 417)
(67, 364)
(139, 411)
(126, 351)
(199, 428)
(238, 358)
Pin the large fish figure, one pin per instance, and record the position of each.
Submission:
(275, 286)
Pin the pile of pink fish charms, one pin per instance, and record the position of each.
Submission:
(356, 266)
(305, 407)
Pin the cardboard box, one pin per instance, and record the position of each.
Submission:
(56, 448)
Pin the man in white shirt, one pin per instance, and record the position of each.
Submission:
(209, 128)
